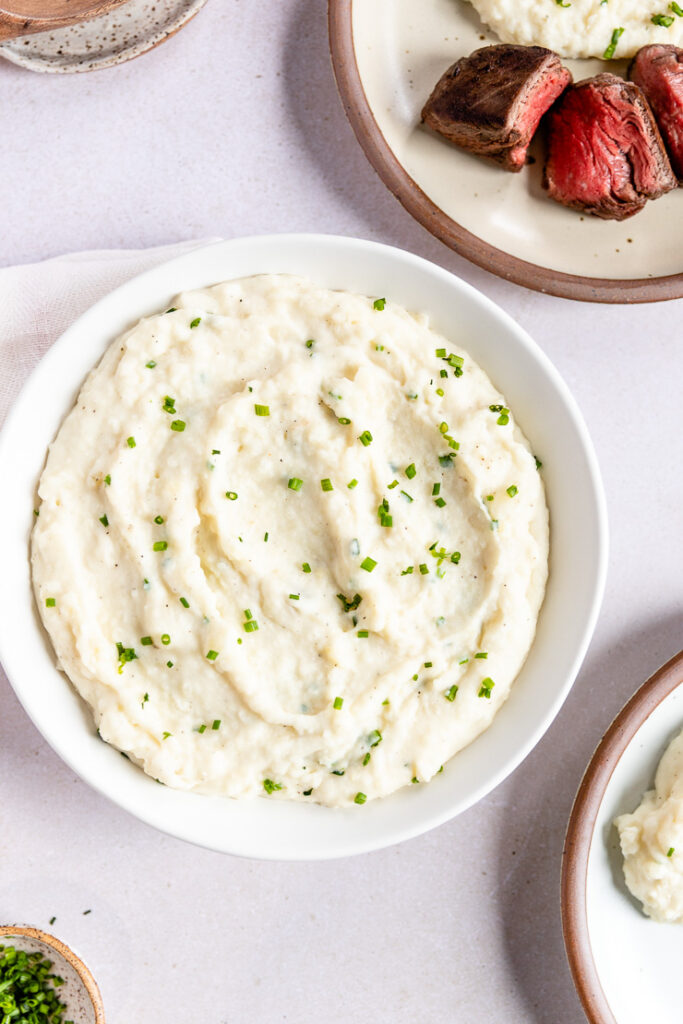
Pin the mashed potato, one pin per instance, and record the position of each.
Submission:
(652, 841)
(582, 28)
(290, 542)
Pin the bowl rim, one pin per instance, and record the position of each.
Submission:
(81, 969)
(344, 247)
(581, 830)
(399, 182)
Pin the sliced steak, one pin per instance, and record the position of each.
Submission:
(605, 153)
(490, 103)
(658, 70)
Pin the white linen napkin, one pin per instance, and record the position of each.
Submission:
(38, 301)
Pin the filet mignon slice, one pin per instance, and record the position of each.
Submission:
(490, 103)
(658, 70)
(605, 153)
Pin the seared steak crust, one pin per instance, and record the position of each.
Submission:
(491, 102)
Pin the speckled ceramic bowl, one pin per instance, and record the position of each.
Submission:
(79, 993)
(103, 42)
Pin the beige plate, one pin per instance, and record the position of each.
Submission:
(79, 992)
(133, 29)
(626, 967)
(387, 55)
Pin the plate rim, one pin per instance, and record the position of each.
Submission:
(404, 188)
(581, 829)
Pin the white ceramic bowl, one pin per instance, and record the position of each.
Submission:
(545, 411)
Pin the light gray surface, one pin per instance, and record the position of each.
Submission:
(234, 127)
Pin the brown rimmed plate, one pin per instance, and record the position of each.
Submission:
(387, 56)
(626, 968)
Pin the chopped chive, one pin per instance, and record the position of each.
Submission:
(169, 664)
(489, 497)
(677, 9)
(131, 442)
(344, 420)
(294, 597)
(443, 373)
(165, 639)
(363, 634)
(486, 688)
(366, 759)
(512, 490)
(270, 786)
(145, 699)
(231, 495)
(665, 20)
(166, 735)
(428, 664)
(215, 451)
(441, 353)
(310, 343)
(365, 438)
(307, 792)
(212, 655)
(338, 772)
(482, 654)
(107, 479)
(216, 724)
(262, 410)
(670, 852)
(611, 48)
(464, 661)
(201, 729)
(247, 614)
(184, 602)
(368, 564)
(265, 537)
(424, 569)
(178, 426)
(338, 703)
(440, 392)
(408, 498)
(160, 545)
(443, 427)
(410, 471)
(349, 606)
(394, 483)
(359, 798)
(455, 557)
(414, 779)
(407, 572)
(326, 484)
(50, 602)
(539, 464)
(146, 641)
(169, 404)
(295, 483)
(451, 694)
(379, 304)
(306, 567)
(352, 483)
(251, 626)
(436, 489)
(196, 322)
(440, 502)
(151, 364)
(104, 520)
(158, 520)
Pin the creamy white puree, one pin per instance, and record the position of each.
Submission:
(652, 841)
(314, 358)
(583, 29)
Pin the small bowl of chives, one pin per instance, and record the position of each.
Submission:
(44, 977)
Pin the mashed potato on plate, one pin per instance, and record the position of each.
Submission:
(291, 543)
(583, 28)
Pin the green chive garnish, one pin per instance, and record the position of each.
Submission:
(262, 410)
(184, 602)
(344, 420)
(131, 442)
(166, 735)
(107, 480)
(165, 639)
(451, 694)
(379, 304)
(146, 641)
(160, 545)
(665, 20)
(511, 490)
(178, 426)
(359, 798)
(440, 502)
(168, 404)
(211, 655)
(338, 703)
(368, 564)
(424, 569)
(610, 51)
(352, 483)
(216, 724)
(326, 484)
(196, 322)
(295, 484)
(677, 9)
(486, 687)
(231, 495)
(410, 471)
(363, 634)
(270, 786)
(251, 626)
(158, 520)
(365, 438)
(436, 489)
(50, 602)
(482, 654)
(151, 364)
(104, 520)
(670, 852)
(306, 567)
(408, 571)
(295, 597)
(407, 496)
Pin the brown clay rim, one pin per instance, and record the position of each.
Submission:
(68, 954)
(580, 834)
(432, 217)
